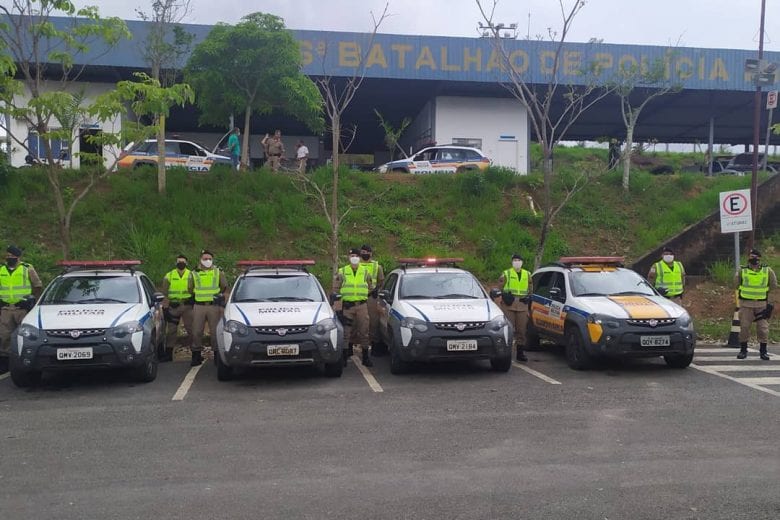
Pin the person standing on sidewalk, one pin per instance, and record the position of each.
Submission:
(754, 283)
(210, 289)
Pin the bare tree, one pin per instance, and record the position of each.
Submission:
(549, 125)
(338, 95)
(164, 50)
(654, 82)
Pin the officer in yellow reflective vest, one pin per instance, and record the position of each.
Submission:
(669, 274)
(210, 291)
(19, 288)
(377, 280)
(754, 283)
(177, 305)
(516, 287)
(354, 283)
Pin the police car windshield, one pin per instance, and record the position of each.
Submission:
(440, 286)
(278, 288)
(73, 290)
(609, 283)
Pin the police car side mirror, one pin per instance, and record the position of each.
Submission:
(334, 297)
(158, 297)
(555, 292)
(663, 291)
(495, 293)
(384, 294)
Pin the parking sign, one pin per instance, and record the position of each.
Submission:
(735, 211)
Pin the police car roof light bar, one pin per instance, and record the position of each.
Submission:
(87, 265)
(249, 265)
(431, 261)
(592, 260)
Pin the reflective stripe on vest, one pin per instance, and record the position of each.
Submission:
(206, 284)
(354, 287)
(178, 289)
(516, 283)
(755, 284)
(373, 269)
(669, 277)
(14, 285)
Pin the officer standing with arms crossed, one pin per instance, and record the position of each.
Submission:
(669, 274)
(377, 280)
(20, 286)
(210, 290)
(516, 286)
(754, 283)
(177, 305)
(354, 283)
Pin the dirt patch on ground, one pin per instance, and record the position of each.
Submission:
(706, 299)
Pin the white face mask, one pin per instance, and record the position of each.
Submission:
(207, 263)
(354, 260)
(517, 264)
(668, 258)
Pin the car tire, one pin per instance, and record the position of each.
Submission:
(334, 369)
(501, 364)
(25, 378)
(224, 372)
(147, 372)
(576, 356)
(679, 360)
(399, 170)
(397, 365)
(163, 354)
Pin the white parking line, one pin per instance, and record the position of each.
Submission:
(536, 374)
(181, 393)
(367, 375)
(745, 368)
(761, 380)
(6, 375)
(707, 370)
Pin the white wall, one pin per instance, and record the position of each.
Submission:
(20, 130)
(421, 131)
(501, 123)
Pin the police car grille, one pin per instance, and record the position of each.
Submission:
(286, 330)
(652, 322)
(79, 333)
(460, 325)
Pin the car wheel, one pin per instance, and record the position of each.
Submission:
(25, 378)
(224, 372)
(163, 354)
(400, 170)
(334, 369)
(397, 365)
(502, 364)
(147, 372)
(679, 361)
(576, 356)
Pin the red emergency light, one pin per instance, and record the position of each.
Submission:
(273, 263)
(429, 261)
(98, 263)
(592, 260)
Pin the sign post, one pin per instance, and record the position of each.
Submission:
(771, 105)
(736, 215)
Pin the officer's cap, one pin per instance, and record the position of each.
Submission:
(14, 251)
(184, 257)
(354, 251)
(206, 252)
(668, 249)
(755, 252)
(516, 257)
(366, 247)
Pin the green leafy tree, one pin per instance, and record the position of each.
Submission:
(393, 134)
(253, 67)
(39, 86)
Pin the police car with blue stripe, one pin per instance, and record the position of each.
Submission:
(430, 310)
(102, 314)
(278, 315)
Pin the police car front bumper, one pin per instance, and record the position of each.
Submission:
(638, 338)
(443, 341)
(252, 349)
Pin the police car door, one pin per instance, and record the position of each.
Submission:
(423, 161)
(196, 158)
(384, 306)
(547, 313)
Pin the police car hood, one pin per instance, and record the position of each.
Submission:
(630, 306)
(448, 311)
(103, 316)
(269, 314)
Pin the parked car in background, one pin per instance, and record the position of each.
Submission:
(177, 153)
(439, 159)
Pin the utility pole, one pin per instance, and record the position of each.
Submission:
(756, 131)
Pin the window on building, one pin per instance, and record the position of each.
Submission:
(468, 141)
(59, 147)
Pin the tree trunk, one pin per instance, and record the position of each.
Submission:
(547, 163)
(161, 172)
(334, 206)
(545, 230)
(245, 140)
(627, 156)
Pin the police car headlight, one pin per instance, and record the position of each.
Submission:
(414, 323)
(497, 323)
(684, 320)
(29, 332)
(125, 329)
(236, 328)
(324, 326)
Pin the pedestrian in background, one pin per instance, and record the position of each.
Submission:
(302, 155)
(234, 145)
(274, 150)
(516, 287)
(754, 283)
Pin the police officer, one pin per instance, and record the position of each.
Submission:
(19, 288)
(669, 274)
(177, 305)
(754, 283)
(377, 280)
(274, 149)
(354, 282)
(210, 290)
(516, 288)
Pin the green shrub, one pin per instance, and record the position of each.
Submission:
(721, 272)
(472, 184)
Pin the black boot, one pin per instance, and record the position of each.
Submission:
(366, 359)
(742, 350)
(521, 354)
(197, 359)
(762, 352)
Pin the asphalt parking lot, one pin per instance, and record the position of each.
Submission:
(628, 440)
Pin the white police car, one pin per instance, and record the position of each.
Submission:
(278, 315)
(597, 309)
(429, 310)
(94, 315)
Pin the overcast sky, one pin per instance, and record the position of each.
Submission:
(694, 23)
